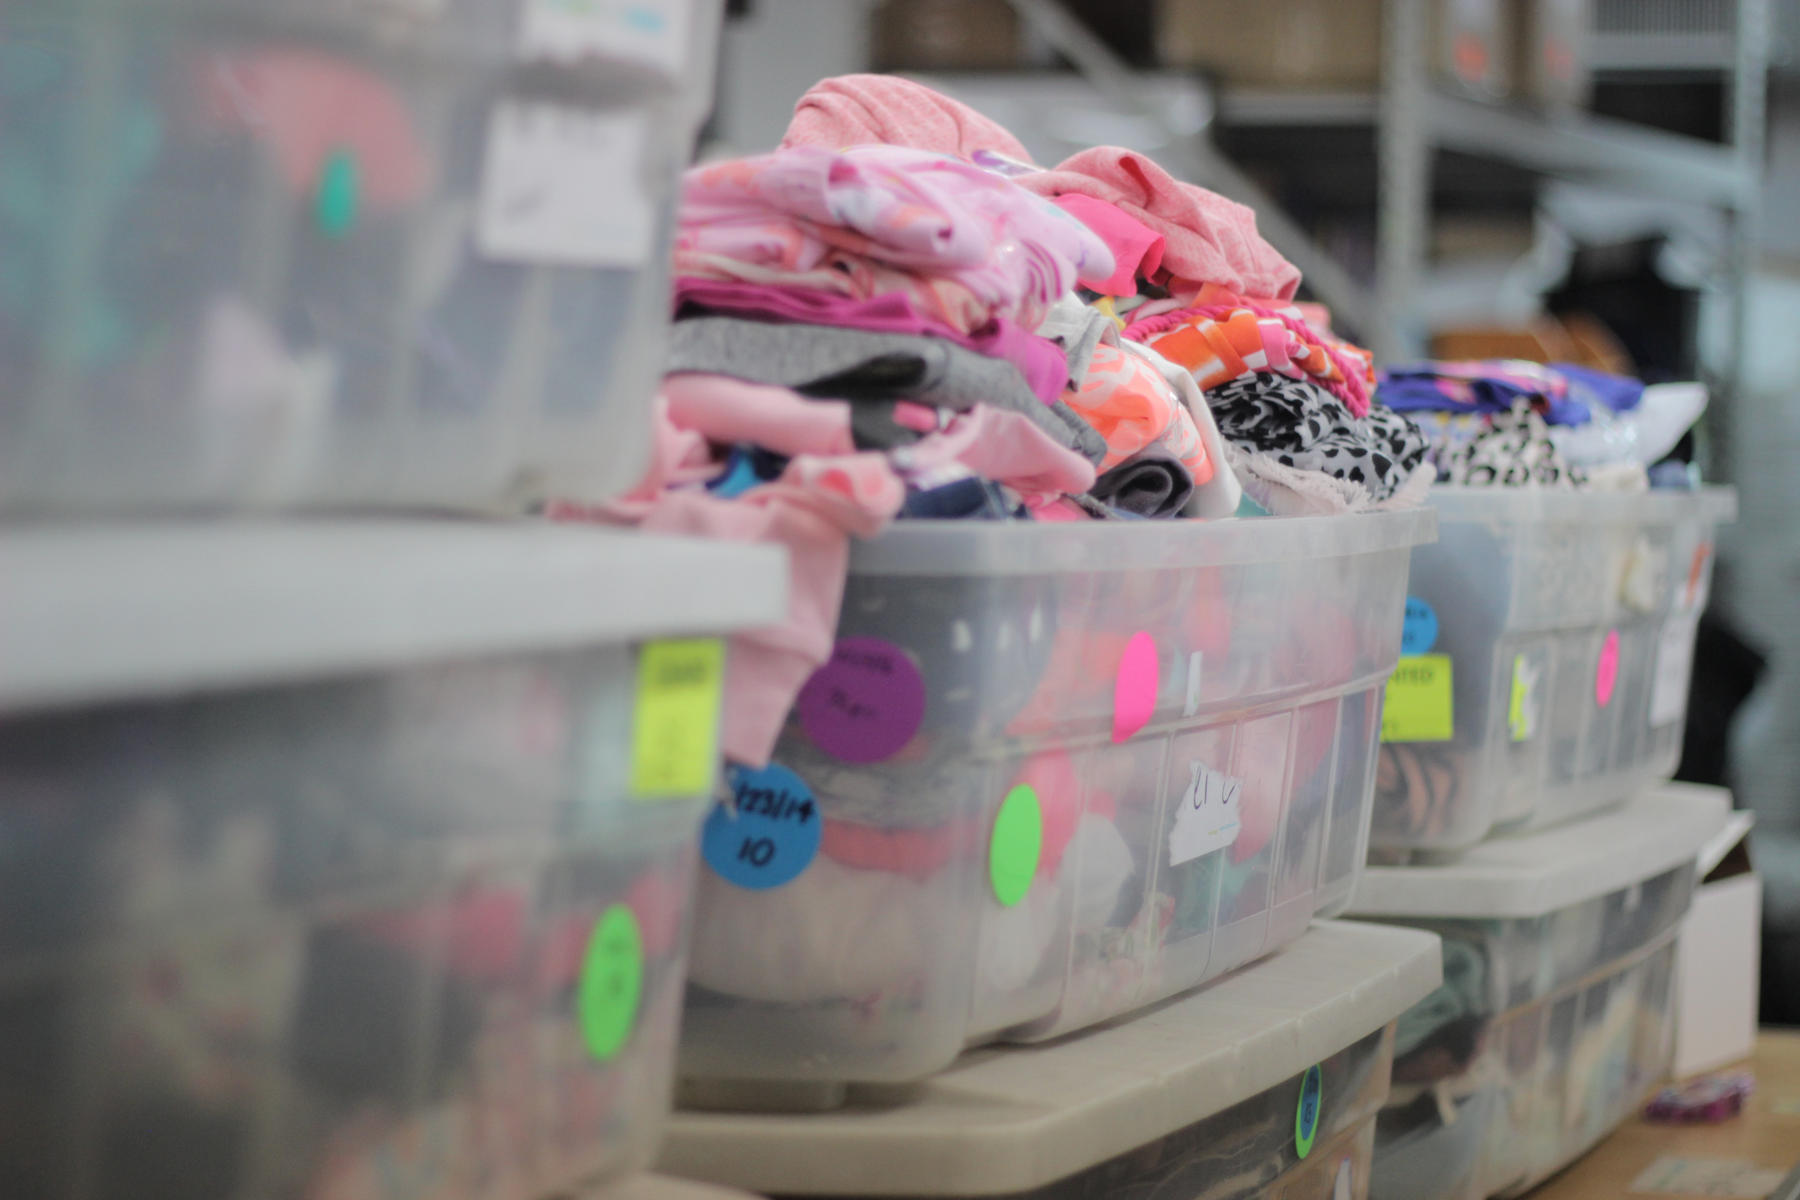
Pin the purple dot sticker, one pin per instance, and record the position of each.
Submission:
(865, 703)
(1607, 674)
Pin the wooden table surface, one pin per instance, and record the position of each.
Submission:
(1766, 1133)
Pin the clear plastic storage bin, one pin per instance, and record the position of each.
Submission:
(1060, 773)
(1555, 1016)
(1265, 1085)
(346, 862)
(323, 253)
(1554, 635)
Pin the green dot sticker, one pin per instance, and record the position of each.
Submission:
(1013, 851)
(1306, 1117)
(335, 203)
(612, 981)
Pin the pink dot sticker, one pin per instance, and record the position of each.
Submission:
(1607, 674)
(865, 703)
(1134, 690)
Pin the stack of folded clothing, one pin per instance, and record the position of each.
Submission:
(895, 314)
(1196, 284)
(1506, 423)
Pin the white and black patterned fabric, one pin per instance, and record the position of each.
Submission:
(1307, 428)
(1511, 449)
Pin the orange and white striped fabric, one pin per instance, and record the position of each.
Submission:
(1129, 404)
(1220, 337)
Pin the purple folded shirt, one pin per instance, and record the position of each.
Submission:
(1040, 360)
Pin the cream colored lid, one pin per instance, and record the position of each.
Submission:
(1539, 872)
(104, 612)
(1009, 1118)
(663, 1187)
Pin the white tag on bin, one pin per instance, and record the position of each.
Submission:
(1674, 670)
(561, 185)
(654, 32)
(1208, 816)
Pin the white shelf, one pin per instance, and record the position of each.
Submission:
(1572, 146)
(111, 612)
(1011, 1118)
(1597, 149)
(1283, 106)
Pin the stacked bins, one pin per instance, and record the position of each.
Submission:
(349, 860)
(1059, 773)
(323, 253)
(1550, 640)
(1266, 1084)
(1554, 1018)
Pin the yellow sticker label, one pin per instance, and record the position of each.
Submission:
(1417, 706)
(1521, 706)
(675, 727)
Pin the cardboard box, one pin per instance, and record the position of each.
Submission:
(1334, 44)
(947, 35)
(1555, 66)
(1275, 43)
(1718, 960)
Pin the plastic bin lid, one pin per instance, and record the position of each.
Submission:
(1015, 548)
(112, 612)
(1010, 1118)
(659, 1187)
(1545, 870)
(1456, 503)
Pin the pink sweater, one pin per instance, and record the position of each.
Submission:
(1206, 238)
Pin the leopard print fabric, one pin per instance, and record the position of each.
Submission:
(1511, 449)
(1304, 427)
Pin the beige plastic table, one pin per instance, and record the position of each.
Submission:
(663, 1187)
(1008, 1119)
(1760, 1144)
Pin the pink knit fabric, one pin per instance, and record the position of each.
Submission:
(853, 110)
(821, 499)
(1207, 238)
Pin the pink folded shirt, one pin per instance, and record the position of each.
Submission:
(1207, 238)
(805, 207)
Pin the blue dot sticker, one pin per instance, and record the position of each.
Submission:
(1306, 1117)
(771, 838)
(1419, 634)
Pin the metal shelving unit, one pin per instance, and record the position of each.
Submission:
(1415, 119)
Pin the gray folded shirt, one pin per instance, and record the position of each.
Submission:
(827, 361)
(1151, 483)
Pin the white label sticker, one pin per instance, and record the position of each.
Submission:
(1208, 818)
(560, 185)
(1674, 668)
(649, 31)
(1193, 685)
